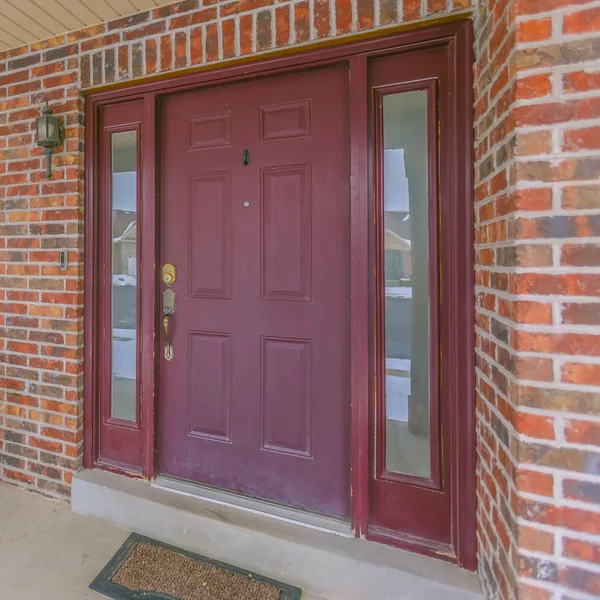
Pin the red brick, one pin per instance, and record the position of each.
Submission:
(434, 6)
(531, 7)
(145, 31)
(166, 53)
(100, 42)
(365, 14)
(534, 482)
(86, 33)
(211, 42)
(151, 56)
(581, 197)
(411, 10)
(302, 22)
(584, 313)
(536, 540)
(583, 432)
(581, 373)
(246, 34)
(123, 62)
(576, 519)
(243, 6)
(534, 425)
(582, 21)
(534, 86)
(48, 445)
(572, 284)
(532, 368)
(18, 476)
(581, 255)
(557, 112)
(343, 16)
(228, 37)
(196, 45)
(532, 592)
(556, 343)
(180, 49)
(321, 18)
(581, 139)
(533, 199)
(581, 550)
(581, 81)
(534, 30)
(282, 25)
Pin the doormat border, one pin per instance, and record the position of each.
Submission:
(104, 584)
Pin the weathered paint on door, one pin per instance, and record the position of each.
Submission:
(256, 398)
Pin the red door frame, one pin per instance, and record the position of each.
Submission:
(458, 37)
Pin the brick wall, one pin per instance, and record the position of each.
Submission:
(538, 307)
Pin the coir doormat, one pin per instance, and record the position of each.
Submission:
(144, 569)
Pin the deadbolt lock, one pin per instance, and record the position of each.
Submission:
(169, 274)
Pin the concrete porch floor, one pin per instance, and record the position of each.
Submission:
(47, 552)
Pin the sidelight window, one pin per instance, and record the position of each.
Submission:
(123, 279)
(406, 258)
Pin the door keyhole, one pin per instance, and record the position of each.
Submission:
(246, 157)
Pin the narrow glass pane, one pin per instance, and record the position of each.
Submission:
(406, 267)
(124, 275)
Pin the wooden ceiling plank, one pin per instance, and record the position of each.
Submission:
(143, 4)
(67, 18)
(81, 11)
(9, 37)
(102, 8)
(42, 15)
(21, 35)
(122, 7)
(18, 17)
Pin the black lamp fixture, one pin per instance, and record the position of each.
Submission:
(49, 133)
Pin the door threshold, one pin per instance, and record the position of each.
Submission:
(230, 502)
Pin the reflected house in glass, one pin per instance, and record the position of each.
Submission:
(124, 262)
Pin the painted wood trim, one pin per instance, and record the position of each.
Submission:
(149, 283)
(90, 333)
(359, 295)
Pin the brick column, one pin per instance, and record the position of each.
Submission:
(538, 287)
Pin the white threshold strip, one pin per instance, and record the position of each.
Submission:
(230, 501)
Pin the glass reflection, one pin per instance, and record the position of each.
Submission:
(124, 275)
(406, 265)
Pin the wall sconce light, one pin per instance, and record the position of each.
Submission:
(49, 133)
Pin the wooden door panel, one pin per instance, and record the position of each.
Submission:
(209, 221)
(286, 265)
(256, 215)
(209, 376)
(286, 370)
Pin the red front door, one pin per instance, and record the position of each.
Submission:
(255, 218)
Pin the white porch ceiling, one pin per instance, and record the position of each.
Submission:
(26, 21)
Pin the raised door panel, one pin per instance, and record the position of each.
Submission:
(286, 398)
(286, 233)
(209, 222)
(209, 389)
